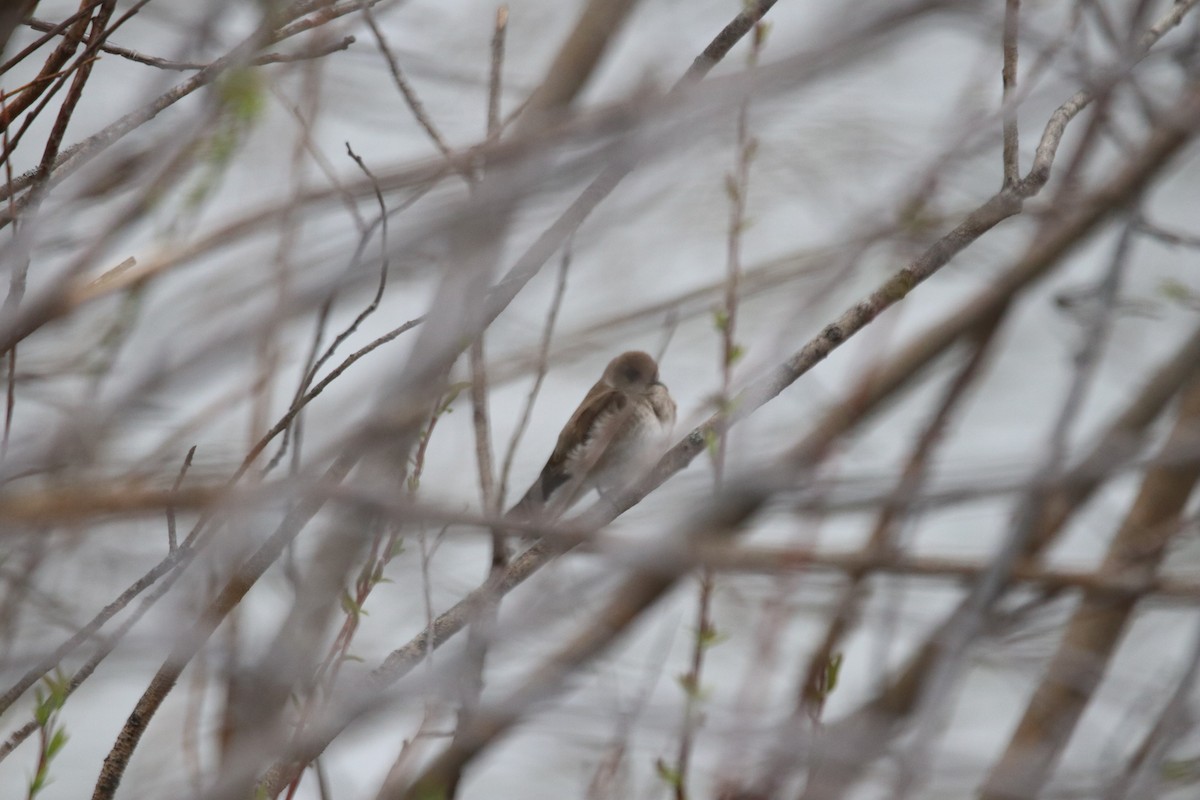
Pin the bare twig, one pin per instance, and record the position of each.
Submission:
(779, 560)
(410, 97)
(496, 73)
(540, 370)
(318, 51)
(737, 186)
(72, 29)
(1012, 168)
(1145, 772)
(304, 394)
(172, 544)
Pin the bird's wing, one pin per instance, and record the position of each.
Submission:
(601, 400)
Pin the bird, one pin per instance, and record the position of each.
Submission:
(621, 423)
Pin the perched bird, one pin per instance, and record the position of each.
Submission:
(621, 422)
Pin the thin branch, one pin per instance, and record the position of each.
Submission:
(410, 97)
(540, 370)
(1012, 164)
(81, 153)
(316, 51)
(759, 560)
(496, 73)
(483, 437)
(172, 544)
(1144, 776)
(737, 186)
(72, 29)
(303, 394)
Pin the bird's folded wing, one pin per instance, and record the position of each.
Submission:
(602, 401)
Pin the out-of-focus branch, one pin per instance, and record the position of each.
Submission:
(304, 393)
(496, 73)
(1145, 775)
(189, 644)
(11, 16)
(1096, 626)
(318, 51)
(479, 636)
(512, 151)
(737, 187)
(77, 155)
(410, 96)
(72, 29)
(540, 370)
(1012, 163)
(576, 59)
(1097, 583)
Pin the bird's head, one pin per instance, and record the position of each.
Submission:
(633, 372)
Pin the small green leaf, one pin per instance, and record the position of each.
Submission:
(751, 149)
(351, 606)
(452, 393)
(669, 775)
(41, 710)
(735, 354)
(1179, 770)
(761, 31)
(59, 684)
(241, 94)
(833, 670)
(710, 637)
(56, 743)
(1177, 291)
(732, 190)
(426, 792)
(691, 686)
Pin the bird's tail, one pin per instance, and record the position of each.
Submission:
(534, 504)
(531, 504)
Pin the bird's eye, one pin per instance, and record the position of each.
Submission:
(631, 374)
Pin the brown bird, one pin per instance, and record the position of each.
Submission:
(623, 419)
